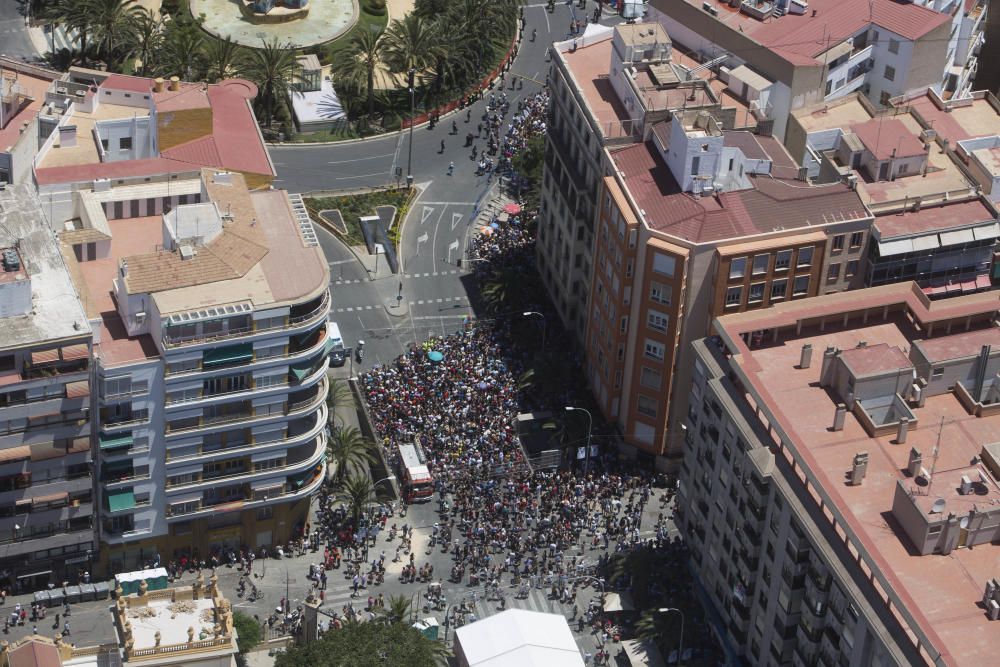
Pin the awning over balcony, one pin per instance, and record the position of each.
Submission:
(300, 371)
(119, 501)
(117, 440)
(73, 352)
(44, 356)
(19, 453)
(50, 498)
(78, 389)
(231, 354)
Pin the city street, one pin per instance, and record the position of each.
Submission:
(14, 39)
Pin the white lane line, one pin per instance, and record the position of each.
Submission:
(361, 159)
(344, 178)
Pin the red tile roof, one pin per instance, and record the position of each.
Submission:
(234, 127)
(771, 204)
(886, 138)
(829, 22)
(203, 152)
(132, 84)
(120, 169)
(934, 218)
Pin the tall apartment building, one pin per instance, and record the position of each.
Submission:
(210, 364)
(46, 490)
(693, 223)
(810, 52)
(840, 488)
(609, 88)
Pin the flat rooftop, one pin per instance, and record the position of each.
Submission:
(840, 113)
(800, 39)
(934, 218)
(958, 120)
(56, 311)
(940, 591)
(32, 89)
(172, 620)
(94, 279)
(85, 150)
(771, 204)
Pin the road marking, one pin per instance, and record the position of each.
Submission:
(426, 213)
(455, 219)
(341, 261)
(440, 300)
(360, 159)
(344, 178)
(452, 203)
(421, 239)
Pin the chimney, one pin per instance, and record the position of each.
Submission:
(839, 415)
(916, 204)
(991, 590)
(966, 486)
(859, 468)
(175, 83)
(862, 344)
(805, 359)
(828, 356)
(993, 610)
(67, 136)
(850, 400)
(903, 430)
(123, 268)
(913, 464)
(158, 84)
(920, 394)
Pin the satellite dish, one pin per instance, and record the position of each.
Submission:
(938, 506)
(964, 523)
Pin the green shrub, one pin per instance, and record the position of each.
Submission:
(375, 7)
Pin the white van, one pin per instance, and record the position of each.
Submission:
(338, 355)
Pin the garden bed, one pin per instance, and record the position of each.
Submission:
(352, 207)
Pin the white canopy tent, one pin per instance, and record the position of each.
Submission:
(517, 638)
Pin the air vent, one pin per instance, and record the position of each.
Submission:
(11, 260)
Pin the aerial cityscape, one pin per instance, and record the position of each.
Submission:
(493, 333)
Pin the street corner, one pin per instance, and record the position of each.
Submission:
(396, 306)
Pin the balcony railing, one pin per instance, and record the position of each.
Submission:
(251, 475)
(248, 501)
(137, 417)
(290, 357)
(54, 528)
(256, 446)
(55, 368)
(313, 375)
(291, 323)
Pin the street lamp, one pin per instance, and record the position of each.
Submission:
(532, 313)
(680, 651)
(590, 427)
(409, 159)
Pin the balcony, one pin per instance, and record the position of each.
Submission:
(297, 434)
(759, 9)
(125, 420)
(298, 378)
(813, 635)
(249, 418)
(294, 321)
(48, 531)
(247, 501)
(55, 368)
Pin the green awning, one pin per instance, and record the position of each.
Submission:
(117, 440)
(230, 354)
(328, 346)
(119, 501)
(301, 371)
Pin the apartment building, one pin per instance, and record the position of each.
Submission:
(112, 130)
(841, 479)
(696, 222)
(210, 364)
(609, 87)
(803, 53)
(23, 88)
(46, 491)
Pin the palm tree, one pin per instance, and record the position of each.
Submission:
(113, 24)
(274, 69)
(356, 492)
(182, 51)
(78, 17)
(356, 66)
(412, 43)
(398, 609)
(223, 57)
(338, 396)
(349, 449)
(147, 39)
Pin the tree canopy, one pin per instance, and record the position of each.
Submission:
(365, 645)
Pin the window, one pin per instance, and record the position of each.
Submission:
(760, 263)
(756, 293)
(937, 373)
(893, 45)
(650, 378)
(782, 260)
(838, 242)
(695, 165)
(737, 268)
(833, 273)
(733, 296)
(125, 144)
(624, 324)
(890, 73)
(657, 320)
(857, 238)
(646, 406)
(117, 386)
(265, 513)
(805, 257)
(852, 268)
(660, 293)
(801, 286)
(654, 350)
(104, 145)
(663, 264)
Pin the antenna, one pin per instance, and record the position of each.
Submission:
(934, 455)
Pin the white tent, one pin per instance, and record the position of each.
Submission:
(517, 638)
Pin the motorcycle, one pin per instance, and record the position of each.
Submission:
(360, 352)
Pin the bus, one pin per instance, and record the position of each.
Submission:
(417, 482)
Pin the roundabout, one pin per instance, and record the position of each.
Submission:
(299, 23)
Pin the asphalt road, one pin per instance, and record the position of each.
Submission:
(14, 41)
(440, 224)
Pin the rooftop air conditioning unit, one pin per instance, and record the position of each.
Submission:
(61, 90)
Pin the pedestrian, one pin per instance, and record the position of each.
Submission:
(442, 146)
(451, 168)
(468, 115)
(66, 629)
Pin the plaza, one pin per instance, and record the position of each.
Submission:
(326, 20)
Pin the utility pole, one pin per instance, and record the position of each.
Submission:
(409, 158)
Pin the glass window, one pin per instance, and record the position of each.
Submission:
(654, 350)
(890, 73)
(838, 242)
(737, 267)
(801, 286)
(125, 143)
(893, 46)
(660, 293)
(646, 406)
(657, 320)
(756, 293)
(650, 378)
(852, 268)
(805, 256)
(663, 264)
(778, 288)
(733, 296)
(782, 260)
(833, 273)
(857, 238)
(760, 263)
